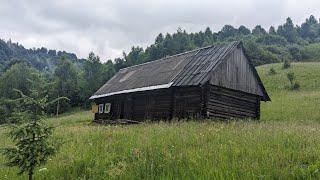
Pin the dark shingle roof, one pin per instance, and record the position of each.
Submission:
(185, 69)
(197, 69)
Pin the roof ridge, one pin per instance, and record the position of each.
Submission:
(167, 57)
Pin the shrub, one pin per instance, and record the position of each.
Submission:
(293, 84)
(272, 71)
(311, 52)
(296, 86)
(286, 64)
(291, 77)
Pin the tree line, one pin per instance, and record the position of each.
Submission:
(77, 79)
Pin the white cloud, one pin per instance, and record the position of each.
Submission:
(109, 27)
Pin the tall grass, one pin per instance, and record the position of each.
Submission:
(184, 150)
(285, 144)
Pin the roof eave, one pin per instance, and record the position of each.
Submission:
(147, 88)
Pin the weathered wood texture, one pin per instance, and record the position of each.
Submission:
(226, 103)
(154, 105)
(235, 73)
(187, 102)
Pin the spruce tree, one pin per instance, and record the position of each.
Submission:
(31, 134)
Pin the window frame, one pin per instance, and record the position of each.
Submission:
(101, 108)
(107, 108)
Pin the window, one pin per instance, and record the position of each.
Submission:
(100, 108)
(107, 107)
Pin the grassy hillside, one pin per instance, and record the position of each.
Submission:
(287, 104)
(284, 144)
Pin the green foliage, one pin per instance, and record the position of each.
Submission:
(66, 85)
(311, 52)
(258, 55)
(295, 52)
(31, 135)
(272, 30)
(291, 77)
(286, 64)
(310, 29)
(93, 76)
(288, 31)
(296, 86)
(258, 30)
(18, 76)
(272, 71)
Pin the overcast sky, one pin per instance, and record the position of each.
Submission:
(110, 27)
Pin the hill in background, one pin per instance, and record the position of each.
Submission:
(40, 58)
(287, 104)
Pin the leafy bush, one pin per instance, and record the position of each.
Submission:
(295, 52)
(272, 71)
(291, 77)
(296, 86)
(311, 52)
(286, 64)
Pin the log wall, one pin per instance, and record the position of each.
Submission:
(183, 102)
(187, 102)
(226, 103)
(162, 104)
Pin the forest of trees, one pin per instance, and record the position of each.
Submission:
(77, 79)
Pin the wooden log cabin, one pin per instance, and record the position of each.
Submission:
(218, 81)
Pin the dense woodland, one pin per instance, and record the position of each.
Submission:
(62, 74)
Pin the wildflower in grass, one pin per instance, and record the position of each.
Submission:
(43, 169)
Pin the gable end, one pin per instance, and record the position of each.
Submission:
(237, 72)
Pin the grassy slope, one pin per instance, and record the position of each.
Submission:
(285, 144)
(292, 105)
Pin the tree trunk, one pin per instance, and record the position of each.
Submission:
(58, 107)
(30, 175)
(32, 154)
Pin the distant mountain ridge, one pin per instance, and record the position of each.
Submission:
(287, 42)
(39, 58)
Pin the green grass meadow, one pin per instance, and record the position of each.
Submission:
(284, 144)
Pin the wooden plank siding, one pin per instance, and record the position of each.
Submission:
(236, 73)
(226, 103)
